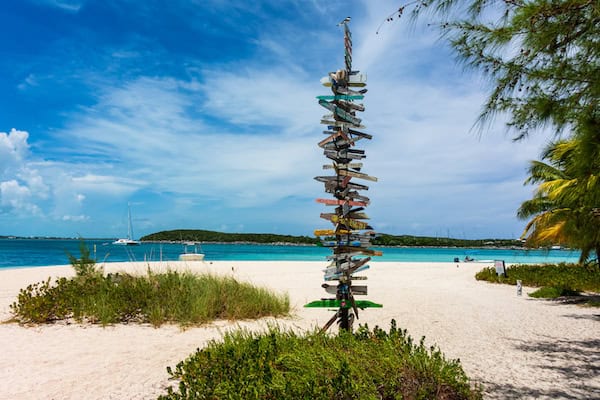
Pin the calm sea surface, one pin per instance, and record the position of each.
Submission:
(16, 253)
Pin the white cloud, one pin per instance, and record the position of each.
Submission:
(72, 6)
(34, 188)
(30, 81)
(34, 181)
(105, 184)
(13, 150)
(16, 197)
(146, 135)
(75, 218)
(21, 185)
(262, 97)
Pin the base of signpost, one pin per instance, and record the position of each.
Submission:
(333, 303)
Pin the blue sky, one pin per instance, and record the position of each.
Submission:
(202, 115)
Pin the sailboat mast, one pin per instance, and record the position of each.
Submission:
(129, 227)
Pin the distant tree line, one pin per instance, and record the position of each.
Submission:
(195, 235)
(423, 241)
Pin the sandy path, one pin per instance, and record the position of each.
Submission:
(516, 346)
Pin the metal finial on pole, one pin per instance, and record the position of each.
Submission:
(344, 21)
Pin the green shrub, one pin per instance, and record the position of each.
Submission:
(184, 298)
(569, 276)
(85, 265)
(551, 292)
(283, 365)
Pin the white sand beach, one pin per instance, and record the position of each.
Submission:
(516, 346)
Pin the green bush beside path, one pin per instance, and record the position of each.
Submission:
(555, 280)
(283, 365)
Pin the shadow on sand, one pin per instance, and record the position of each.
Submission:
(578, 362)
(583, 299)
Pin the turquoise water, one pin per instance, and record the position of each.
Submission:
(16, 253)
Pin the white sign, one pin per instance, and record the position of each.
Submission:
(500, 270)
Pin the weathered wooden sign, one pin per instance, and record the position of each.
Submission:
(349, 238)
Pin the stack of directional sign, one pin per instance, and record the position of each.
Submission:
(351, 234)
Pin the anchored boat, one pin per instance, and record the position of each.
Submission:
(128, 241)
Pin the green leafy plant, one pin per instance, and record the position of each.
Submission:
(554, 280)
(368, 364)
(551, 292)
(85, 265)
(183, 298)
(578, 277)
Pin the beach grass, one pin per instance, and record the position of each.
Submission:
(367, 364)
(172, 297)
(184, 298)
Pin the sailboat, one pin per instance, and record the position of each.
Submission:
(129, 241)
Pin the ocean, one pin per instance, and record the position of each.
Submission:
(18, 253)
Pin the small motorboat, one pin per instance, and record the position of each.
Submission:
(193, 255)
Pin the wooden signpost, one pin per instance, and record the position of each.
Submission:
(348, 238)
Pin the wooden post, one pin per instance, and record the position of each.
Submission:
(346, 239)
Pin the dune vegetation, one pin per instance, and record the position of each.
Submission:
(554, 280)
(173, 297)
(367, 364)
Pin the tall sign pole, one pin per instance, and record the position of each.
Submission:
(350, 235)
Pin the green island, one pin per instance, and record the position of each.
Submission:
(198, 235)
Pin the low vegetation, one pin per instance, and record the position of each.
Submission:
(171, 297)
(551, 292)
(264, 238)
(175, 297)
(555, 280)
(283, 365)
(415, 241)
(197, 235)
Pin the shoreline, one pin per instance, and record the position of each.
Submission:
(177, 263)
(245, 242)
(419, 255)
(517, 347)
